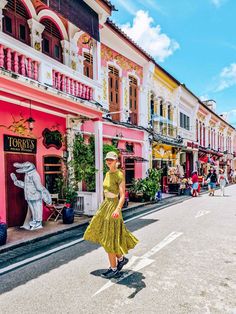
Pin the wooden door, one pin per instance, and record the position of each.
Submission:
(114, 93)
(15, 200)
(133, 100)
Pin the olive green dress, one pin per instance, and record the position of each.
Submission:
(111, 233)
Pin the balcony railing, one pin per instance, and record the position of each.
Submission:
(71, 86)
(11, 60)
(27, 62)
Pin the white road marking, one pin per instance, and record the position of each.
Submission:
(62, 247)
(39, 256)
(141, 263)
(138, 263)
(202, 213)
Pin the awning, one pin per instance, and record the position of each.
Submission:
(203, 159)
(137, 159)
(126, 152)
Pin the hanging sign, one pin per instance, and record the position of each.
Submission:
(20, 144)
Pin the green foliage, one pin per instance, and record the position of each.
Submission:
(83, 162)
(66, 190)
(149, 186)
(106, 149)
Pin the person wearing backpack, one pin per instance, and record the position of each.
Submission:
(212, 180)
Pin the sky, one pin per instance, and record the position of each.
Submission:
(194, 40)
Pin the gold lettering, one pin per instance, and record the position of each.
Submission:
(10, 141)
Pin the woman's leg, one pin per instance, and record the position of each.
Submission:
(112, 260)
(223, 189)
(209, 189)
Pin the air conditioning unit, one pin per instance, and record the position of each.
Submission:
(86, 203)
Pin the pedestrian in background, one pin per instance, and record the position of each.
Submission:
(195, 183)
(107, 226)
(223, 180)
(234, 176)
(212, 180)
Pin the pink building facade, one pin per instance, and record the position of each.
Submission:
(50, 72)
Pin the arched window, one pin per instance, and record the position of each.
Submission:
(52, 40)
(88, 65)
(133, 99)
(200, 132)
(197, 133)
(52, 172)
(161, 108)
(204, 135)
(114, 92)
(15, 21)
(170, 121)
(152, 106)
(169, 112)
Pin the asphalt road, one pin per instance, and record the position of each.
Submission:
(185, 263)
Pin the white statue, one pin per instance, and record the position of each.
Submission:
(35, 192)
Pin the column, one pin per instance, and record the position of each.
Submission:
(74, 56)
(36, 34)
(3, 3)
(147, 154)
(66, 52)
(96, 60)
(98, 126)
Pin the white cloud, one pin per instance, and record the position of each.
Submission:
(227, 77)
(204, 97)
(128, 6)
(149, 36)
(231, 116)
(218, 3)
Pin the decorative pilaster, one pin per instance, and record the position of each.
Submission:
(66, 52)
(97, 60)
(124, 100)
(36, 34)
(98, 126)
(3, 3)
(74, 56)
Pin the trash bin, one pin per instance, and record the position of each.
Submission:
(3, 233)
(68, 215)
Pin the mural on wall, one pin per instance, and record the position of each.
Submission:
(19, 126)
(85, 42)
(34, 192)
(127, 65)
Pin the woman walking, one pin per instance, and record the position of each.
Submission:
(107, 226)
(223, 180)
(212, 180)
(195, 184)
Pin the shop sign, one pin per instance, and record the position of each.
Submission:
(18, 144)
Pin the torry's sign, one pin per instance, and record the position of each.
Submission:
(20, 144)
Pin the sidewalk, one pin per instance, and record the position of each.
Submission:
(17, 236)
(22, 243)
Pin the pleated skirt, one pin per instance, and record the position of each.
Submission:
(109, 232)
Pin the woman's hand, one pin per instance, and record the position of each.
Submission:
(116, 214)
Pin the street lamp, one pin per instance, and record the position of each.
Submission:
(30, 120)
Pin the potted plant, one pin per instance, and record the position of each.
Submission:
(152, 184)
(146, 189)
(68, 193)
(3, 233)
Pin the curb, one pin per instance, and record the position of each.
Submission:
(22, 250)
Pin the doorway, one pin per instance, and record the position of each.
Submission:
(16, 204)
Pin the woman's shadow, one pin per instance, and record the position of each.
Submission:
(134, 280)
